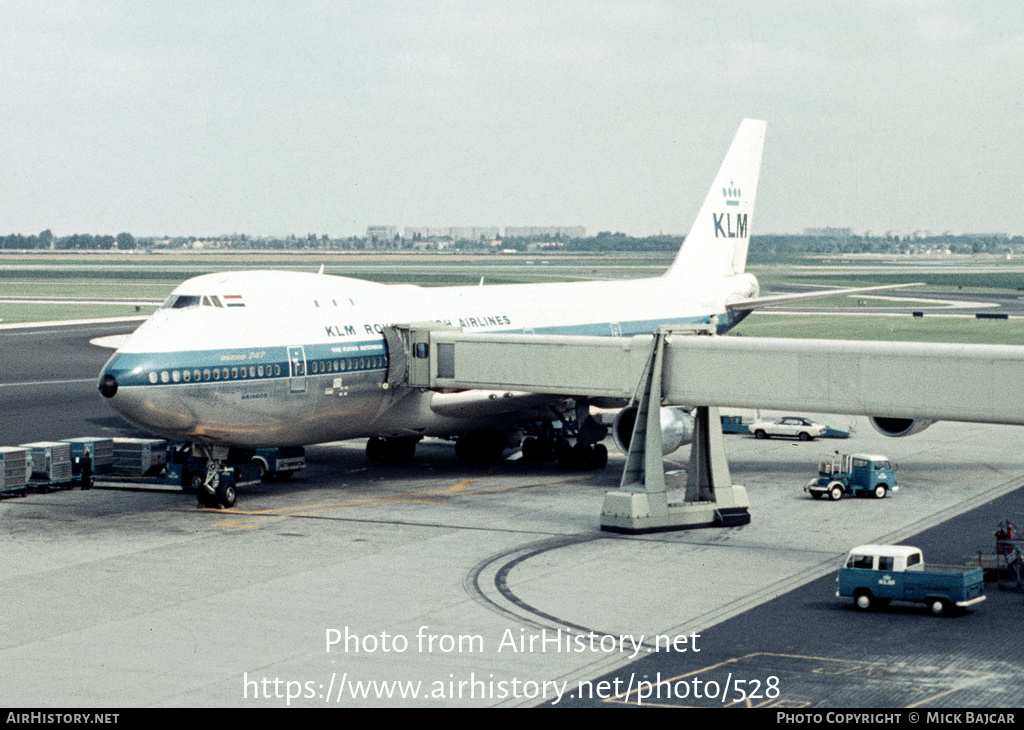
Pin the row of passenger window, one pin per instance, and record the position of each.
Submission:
(235, 373)
(259, 371)
(335, 366)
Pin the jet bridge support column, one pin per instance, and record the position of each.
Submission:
(641, 504)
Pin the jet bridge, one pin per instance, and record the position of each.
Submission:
(692, 367)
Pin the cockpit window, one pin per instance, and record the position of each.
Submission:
(187, 301)
(184, 302)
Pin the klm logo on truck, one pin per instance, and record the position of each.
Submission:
(729, 226)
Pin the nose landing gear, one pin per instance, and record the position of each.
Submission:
(218, 487)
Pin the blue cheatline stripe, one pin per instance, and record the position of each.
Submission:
(134, 369)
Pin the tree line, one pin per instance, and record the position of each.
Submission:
(46, 241)
(765, 246)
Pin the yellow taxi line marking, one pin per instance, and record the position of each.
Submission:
(380, 501)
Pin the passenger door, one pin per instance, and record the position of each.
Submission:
(297, 368)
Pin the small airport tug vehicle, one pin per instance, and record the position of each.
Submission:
(853, 474)
(874, 575)
(279, 463)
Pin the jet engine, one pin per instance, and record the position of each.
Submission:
(896, 427)
(677, 428)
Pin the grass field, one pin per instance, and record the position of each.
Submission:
(905, 328)
(151, 277)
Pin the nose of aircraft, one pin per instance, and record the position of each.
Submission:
(124, 381)
(107, 382)
(107, 385)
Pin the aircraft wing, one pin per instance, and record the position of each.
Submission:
(484, 403)
(758, 302)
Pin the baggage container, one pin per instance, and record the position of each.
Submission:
(51, 463)
(14, 470)
(101, 451)
(139, 457)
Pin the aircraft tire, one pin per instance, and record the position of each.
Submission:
(226, 496)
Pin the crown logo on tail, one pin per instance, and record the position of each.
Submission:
(731, 194)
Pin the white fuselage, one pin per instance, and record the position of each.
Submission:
(281, 358)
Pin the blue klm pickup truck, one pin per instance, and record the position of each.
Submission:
(874, 575)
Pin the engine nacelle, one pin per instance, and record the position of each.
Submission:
(677, 428)
(897, 427)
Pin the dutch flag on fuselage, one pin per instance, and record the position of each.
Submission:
(233, 300)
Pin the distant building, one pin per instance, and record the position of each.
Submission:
(474, 233)
(382, 233)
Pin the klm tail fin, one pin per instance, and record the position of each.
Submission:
(716, 245)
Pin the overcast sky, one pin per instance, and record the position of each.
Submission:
(276, 118)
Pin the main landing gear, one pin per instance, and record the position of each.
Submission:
(578, 456)
(572, 438)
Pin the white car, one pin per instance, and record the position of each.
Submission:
(791, 426)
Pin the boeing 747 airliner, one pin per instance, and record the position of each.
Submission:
(263, 358)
